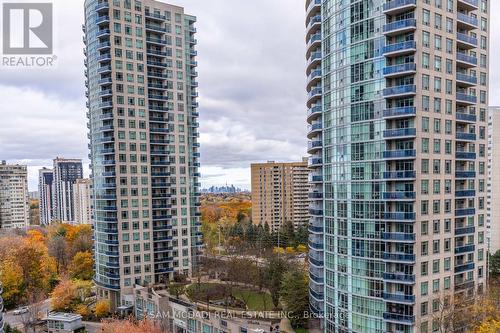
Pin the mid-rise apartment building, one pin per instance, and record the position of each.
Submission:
(280, 193)
(65, 173)
(397, 113)
(82, 201)
(143, 132)
(494, 180)
(14, 202)
(45, 183)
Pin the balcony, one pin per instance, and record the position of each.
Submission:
(315, 178)
(462, 136)
(399, 277)
(399, 133)
(314, 39)
(398, 6)
(399, 257)
(468, 4)
(313, 21)
(466, 41)
(466, 60)
(316, 212)
(399, 298)
(465, 231)
(314, 93)
(400, 91)
(465, 174)
(466, 117)
(464, 249)
(400, 48)
(102, 19)
(314, 77)
(400, 154)
(399, 27)
(399, 195)
(463, 98)
(465, 211)
(103, 45)
(156, 41)
(399, 318)
(156, 16)
(465, 21)
(400, 69)
(314, 129)
(400, 112)
(314, 59)
(315, 162)
(400, 216)
(465, 193)
(314, 146)
(400, 175)
(155, 27)
(463, 155)
(312, 7)
(465, 267)
(103, 32)
(467, 80)
(398, 236)
(315, 195)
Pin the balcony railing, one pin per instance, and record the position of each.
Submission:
(398, 236)
(466, 117)
(402, 153)
(400, 90)
(472, 3)
(465, 267)
(397, 4)
(466, 39)
(465, 211)
(399, 276)
(465, 136)
(400, 132)
(465, 193)
(463, 155)
(400, 25)
(465, 174)
(400, 47)
(405, 111)
(408, 174)
(462, 57)
(399, 69)
(402, 298)
(467, 19)
(404, 257)
(465, 230)
(399, 318)
(467, 78)
(462, 97)
(400, 216)
(399, 195)
(464, 249)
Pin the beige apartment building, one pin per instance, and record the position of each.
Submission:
(82, 201)
(14, 202)
(143, 133)
(280, 193)
(494, 180)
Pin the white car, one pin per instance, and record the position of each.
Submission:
(21, 310)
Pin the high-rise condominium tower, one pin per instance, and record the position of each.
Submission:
(279, 194)
(397, 98)
(494, 180)
(14, 203)
(143, 124)
(45, 179)
(65, 173)
(82, 201)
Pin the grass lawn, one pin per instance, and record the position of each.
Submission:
(257, 301)
(301, 330)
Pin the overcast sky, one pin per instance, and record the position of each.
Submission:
(251, 85)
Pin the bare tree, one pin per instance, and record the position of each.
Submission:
(31, 318)
(58, 248)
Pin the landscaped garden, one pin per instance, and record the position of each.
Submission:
(230, 296)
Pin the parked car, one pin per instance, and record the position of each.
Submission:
(20, 310)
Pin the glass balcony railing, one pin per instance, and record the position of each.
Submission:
(466, 39)
(314, 20)
(465, 174)
(465, 193)
(407, 174)
(398, 236)
(465, 136)
(403, 153)
(464, 155)
(400, 68)
(314, 38)
(400, 47)
(466, 117)
(472, 3)
(399, 276)
(400, 216)
(465, 231)
(400, 25)
(397, 4)
(400, 132)
(465, 211)
(462, 97)
(466, 78)
(314, 92)
(399, 195)
(464, 249)
(399, 318)
(400, 90)
(404, 257)
(400, 112)
(462, 57)
(465, 267)
(401, 298)
(461, 17)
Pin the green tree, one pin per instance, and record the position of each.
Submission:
(276, 267)
(295, 296)
(495, 263)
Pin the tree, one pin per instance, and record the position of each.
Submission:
(176, 289)
(82, 266)
(495, 263)
(11, 276)
(64, 296)
(102, 308)
(276, 267)
(58, 249)
(130, 326)
(295, 296)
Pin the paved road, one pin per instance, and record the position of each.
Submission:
(17, 320)
(92, 327)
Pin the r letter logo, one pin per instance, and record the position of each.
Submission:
(27, 28)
